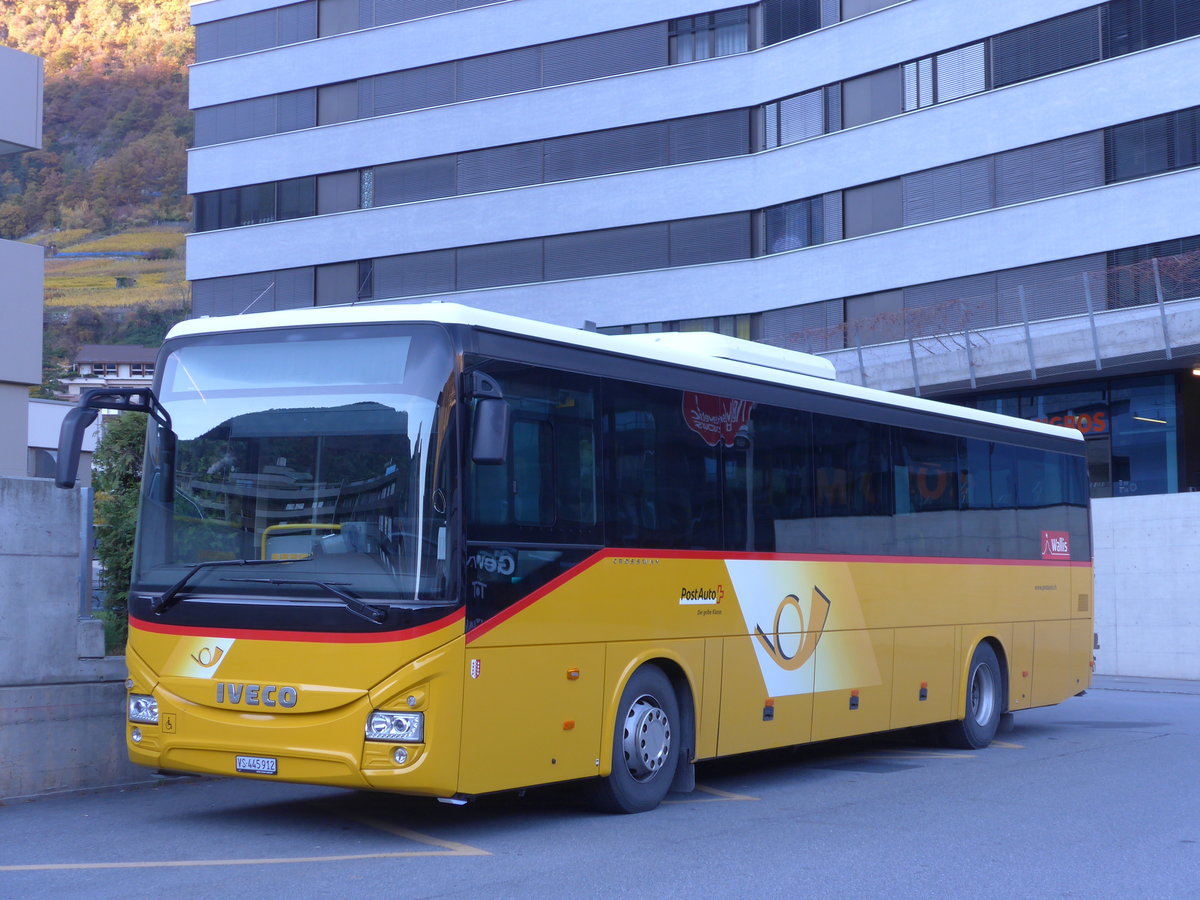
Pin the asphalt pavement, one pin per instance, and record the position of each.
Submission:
(1098, 797)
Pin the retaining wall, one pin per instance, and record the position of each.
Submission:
(61, 700)
(1147, 553)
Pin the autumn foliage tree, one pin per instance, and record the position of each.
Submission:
(116, 124)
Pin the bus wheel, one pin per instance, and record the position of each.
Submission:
(985, 703)
(646, 742)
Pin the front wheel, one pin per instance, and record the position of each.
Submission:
(646, 742)
(985, 703)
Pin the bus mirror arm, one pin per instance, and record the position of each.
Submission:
(70, 436)
(489, 428)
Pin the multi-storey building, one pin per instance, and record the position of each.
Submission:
(987, 202)
(110, 365)
(21, 265)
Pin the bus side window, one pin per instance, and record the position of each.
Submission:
(927, 471)
(852, 463)
(781, 486)
(662, 484)
(532, 473)
(975, 478)
(1003, 468)
(546, 489)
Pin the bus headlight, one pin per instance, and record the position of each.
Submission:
(406, 727)
(143, 708)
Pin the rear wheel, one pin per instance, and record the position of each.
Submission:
(985, 703)
(646, 742)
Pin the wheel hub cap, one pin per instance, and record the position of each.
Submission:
(647, 738)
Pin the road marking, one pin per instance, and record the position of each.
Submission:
(717, 796)
(265, 861)
(917, 754)
(449, 848)
(1007, 746)
(443, 848)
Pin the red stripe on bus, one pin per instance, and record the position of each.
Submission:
(322, 637)
(529, 599)
(575, 571)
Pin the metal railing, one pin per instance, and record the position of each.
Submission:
(979, 326)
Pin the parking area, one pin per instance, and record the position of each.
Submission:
(1096, 798)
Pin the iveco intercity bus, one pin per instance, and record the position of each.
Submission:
(439, 551)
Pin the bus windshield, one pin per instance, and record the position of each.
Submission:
(319, 450)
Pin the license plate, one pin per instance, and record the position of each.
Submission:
(256, 765)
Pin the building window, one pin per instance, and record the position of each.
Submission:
(709, 35)
(1157, 144)
(784, 19)
(1131, 426)
(1136, 24)
(141, 370)
(872, 97)
(945, 76)
(795, 118)
(256, 31)
(1046, 47)
(790, 226)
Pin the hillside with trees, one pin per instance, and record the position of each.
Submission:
(111, 174)
(116, 123)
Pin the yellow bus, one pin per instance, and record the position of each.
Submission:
(441, 551)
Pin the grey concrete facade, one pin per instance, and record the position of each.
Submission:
(61, 699)
(1147, 561)
(21, 264)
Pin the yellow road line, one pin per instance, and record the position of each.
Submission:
(717, 795)
(913, 754)
(1007, 746)
(265, 861)
(443, 848)
(451, 848)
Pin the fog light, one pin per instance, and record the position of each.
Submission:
(136, 735)
(143, 708)
(396, 726)
(400, 756)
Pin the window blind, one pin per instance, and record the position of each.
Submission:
(489, 265)
(499, 167)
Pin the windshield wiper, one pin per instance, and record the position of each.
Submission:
(171, 595)
(375, 614)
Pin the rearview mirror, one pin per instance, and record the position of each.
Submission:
(489, 433)
(489, 426)
(70, 435)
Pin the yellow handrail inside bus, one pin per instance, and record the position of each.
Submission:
(293, 526)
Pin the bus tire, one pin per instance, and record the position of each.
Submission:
(647, 738)
(984, 706)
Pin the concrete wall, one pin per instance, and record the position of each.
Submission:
(20, 101)
(20, 264)
(61, 722)
(1147, 565)
(20, 346)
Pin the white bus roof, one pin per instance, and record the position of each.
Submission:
(695, 350)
